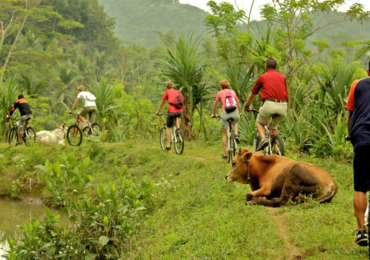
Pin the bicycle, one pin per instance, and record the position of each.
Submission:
(75, 134)
(177, 138)
(29, 135)
(231, 144)
(275, 144)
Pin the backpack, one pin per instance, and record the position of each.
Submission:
(179, 100)
(230, 102)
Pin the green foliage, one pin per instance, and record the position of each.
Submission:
(65, 179)
(46, 240)
(105, 222)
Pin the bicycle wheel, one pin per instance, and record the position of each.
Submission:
(277, 145)
(29, 136)
(179, 144)
(74, 135)
(13, 137)
(232, 149)
(94, 130)
(163, 138)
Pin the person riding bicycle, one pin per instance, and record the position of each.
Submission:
(175, 107)
(26, 114)
(89, 105)
(230, 109)
(358, 105)
(274, 95)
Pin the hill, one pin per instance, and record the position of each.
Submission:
(141, 21)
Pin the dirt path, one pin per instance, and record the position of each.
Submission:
(293, 251)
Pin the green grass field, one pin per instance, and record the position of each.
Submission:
(195, 214)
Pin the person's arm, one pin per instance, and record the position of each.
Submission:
(74, 105)
(13, 109)
(249, 101)
(349, 125)
(160, 107)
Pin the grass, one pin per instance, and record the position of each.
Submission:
(197, 215)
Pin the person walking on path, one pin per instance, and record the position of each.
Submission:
(358, 105)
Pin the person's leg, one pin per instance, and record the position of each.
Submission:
(168, 133)
(361, 185)
(224, 125)
(360, 203)
(82, 117)
(178, 120)
(170, 123)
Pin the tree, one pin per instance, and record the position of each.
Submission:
(183, 66)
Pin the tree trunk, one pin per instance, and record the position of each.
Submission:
(186, 120)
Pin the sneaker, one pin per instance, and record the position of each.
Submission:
(361, 238)
(262, 145)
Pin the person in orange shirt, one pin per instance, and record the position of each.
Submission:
(175, 108)
(230, 109)
(358, 105)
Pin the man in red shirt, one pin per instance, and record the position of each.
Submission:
(274, 95)
(230, 109)
(358, 105)
(174, 109)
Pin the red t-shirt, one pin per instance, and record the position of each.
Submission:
(170, 95)
(272, 85)
(221, 95)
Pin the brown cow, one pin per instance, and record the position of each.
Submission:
(275, 180)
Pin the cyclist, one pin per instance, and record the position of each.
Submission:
(274, 95)
(358, 105)
(89, 105)
(230, 109)
(175, 108)
(26, 114)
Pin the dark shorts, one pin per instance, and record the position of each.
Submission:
(171, 118)
(361, 169)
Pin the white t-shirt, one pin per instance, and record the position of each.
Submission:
(88, 98)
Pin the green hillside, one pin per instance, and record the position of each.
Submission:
(141, 20)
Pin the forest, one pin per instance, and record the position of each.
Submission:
(124, 52)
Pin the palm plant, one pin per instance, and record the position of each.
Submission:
(183, 66)
(8, 94)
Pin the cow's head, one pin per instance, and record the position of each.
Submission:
(239, 171)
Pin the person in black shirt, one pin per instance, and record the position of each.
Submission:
(26, 114)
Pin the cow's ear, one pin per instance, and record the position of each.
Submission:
(247, 156)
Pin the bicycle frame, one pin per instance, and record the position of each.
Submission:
(229, 140)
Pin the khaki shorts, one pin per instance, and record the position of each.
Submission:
(271, 113)
(91, 111)
(23, 120)
(235, 115)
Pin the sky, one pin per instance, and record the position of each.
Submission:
(245, 5)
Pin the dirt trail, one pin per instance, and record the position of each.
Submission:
(293, 251)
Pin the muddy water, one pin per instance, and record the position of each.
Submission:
(14, 213)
